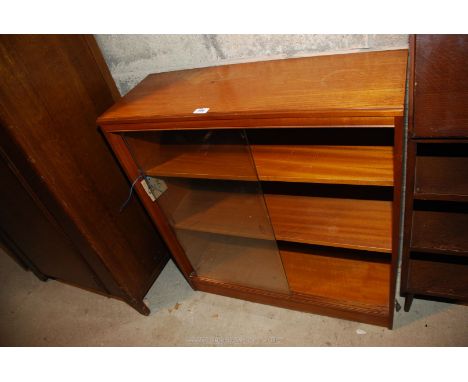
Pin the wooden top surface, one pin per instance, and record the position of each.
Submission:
(351, 85)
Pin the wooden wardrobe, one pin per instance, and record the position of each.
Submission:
(61, 189)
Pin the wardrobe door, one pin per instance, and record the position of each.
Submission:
(206, 184)
(31, 234)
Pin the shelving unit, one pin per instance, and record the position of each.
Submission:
(287, 191)
(435, 242)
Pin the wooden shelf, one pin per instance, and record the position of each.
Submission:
(214, 162)
(224, 212)
(442, 177)
(439, 230)
(436, 278)
(336, 278)
(345, 223)
(441, 197)
(444, 140)
(357, 165)
(447, 252)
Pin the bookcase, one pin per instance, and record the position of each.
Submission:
(277, 182)
(435, 250)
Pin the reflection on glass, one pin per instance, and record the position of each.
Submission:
(214, 203)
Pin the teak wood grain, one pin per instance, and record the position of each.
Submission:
(344, 223)
(353, 85)
(372, 314)
(336, 278)
(360, 165)
(193, 154)
(241, 122)
(226, 163)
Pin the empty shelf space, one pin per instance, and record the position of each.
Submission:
(352, 281)
(345, 223)
(358, 165)
(250, 262)
(442, 177)
(225, 211)
(193, 154)
(437, 278)
(440, 231)
(222, 162)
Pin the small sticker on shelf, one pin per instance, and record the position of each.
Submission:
(201, 110)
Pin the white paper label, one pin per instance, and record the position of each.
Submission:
(147, 189)
(157, 186)
(201, 110)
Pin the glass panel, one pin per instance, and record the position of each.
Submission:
(213, 200)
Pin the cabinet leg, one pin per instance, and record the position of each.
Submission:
(140, 307)
(408, 302)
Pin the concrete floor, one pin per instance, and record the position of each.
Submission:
(34, 313)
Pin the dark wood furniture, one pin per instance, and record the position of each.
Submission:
(60, 187)
(435, 245)
(287, 190)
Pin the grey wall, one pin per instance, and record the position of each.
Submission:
(132, 57)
